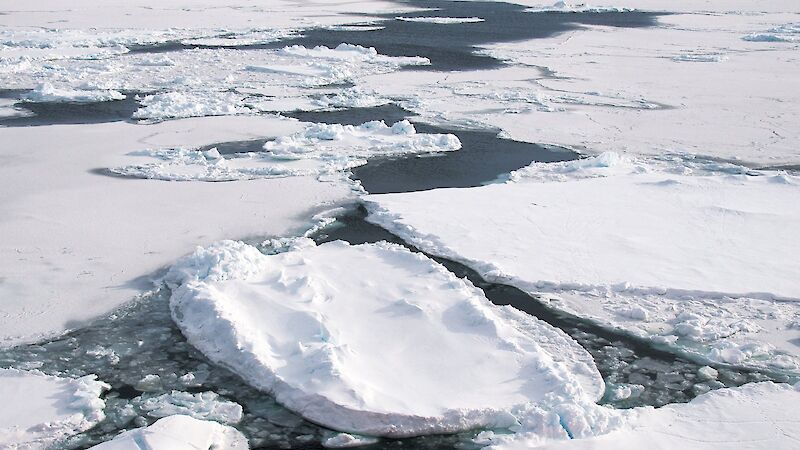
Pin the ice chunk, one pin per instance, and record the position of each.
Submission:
(171, 105)
(178, 433)
(46, 92)
(39, 411)
(202, 405)
(356, 338)
(442, 20)
(345, 440)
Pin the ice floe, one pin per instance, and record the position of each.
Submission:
(40, 411)
(783, 33)
(202, 405)
(171, 105)
(356, 338)
(178, 432)
(442, 20)
(46, 92)
(755, 416)
(317, 150)
(571, 7)
(693, 256)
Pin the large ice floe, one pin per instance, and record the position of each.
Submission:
(40, 411)
(178, 432)
(357, 338)
(316, 150)
(695, 255)
(756, 416)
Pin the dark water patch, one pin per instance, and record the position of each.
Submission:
(234, 147)
(448, 46)
(483, 157)
(389, 113)
(664, 376)
(71, 113)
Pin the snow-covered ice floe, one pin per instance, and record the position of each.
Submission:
(784, 33)
(40, 411)
(442, 20)
(755, 416)
(316, 150)
(571, 7)
(178, 432)
(698, 256)
(46, 92)
(356, 338)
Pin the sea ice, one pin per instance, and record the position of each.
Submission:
(698, 256)
(39, 411)
(442, 20)
(356, 338)
(178, 432)
(319, 149)
(46, 92)
(755, 416)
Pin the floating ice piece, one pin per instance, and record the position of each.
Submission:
(46, 92)
(442, 20)
(346, 440)
(172, 105)
(356, 338)
(632, 244)
(178, 433)
(569, 7)
(319, 149)
(39, 411)
(352, 98)
(757, 416)
(699, 57)
(202, 405)
(783, 33)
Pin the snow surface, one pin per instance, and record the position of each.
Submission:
(322, 329)
(178, 432)
(319, 149)
(755, 416)
(694, 254)
(77, 244)
(39, 411)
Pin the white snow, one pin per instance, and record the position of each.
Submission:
(442, 20)
(353, 338)
(319, 149)
(755, 416)
(77, 244)
(46, 92)
(40, 411)
(697, 255)
(178, 432)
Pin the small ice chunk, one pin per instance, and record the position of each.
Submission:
(707, 373)
(178, 433)
(346, 440)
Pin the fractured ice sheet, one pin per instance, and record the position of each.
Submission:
(442, 20)
(39, 411)
(46, 92)
(313, 327)
(319, 149)
(178, 432)
(756, 416)
(697, 256)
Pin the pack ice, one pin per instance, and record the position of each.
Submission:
(691, 253)
(357, 338)
(40, 411)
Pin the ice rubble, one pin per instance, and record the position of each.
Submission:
(202, 406)
(784, 33)
(570, 7)
(39, 411)
(171, 105)
(755, 416)
(318, 149)
(322, 327)
(697, 256)
(178, 432)
(442, 20)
